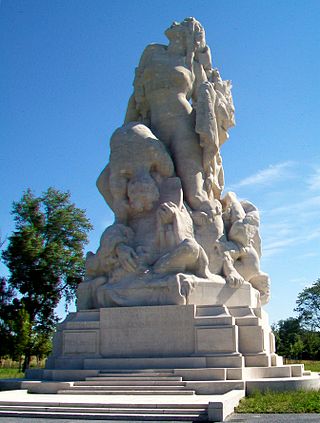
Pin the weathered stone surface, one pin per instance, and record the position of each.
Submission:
(177, 243)
(212, 334)
(164, 181)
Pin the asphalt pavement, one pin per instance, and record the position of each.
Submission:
(274, 418)
(240, 418)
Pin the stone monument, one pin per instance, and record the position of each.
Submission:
(177, 240)
(176, 281)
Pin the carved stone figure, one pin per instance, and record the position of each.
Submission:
(167, 79)
(137, 159)
(242, 224)
(173, 232)
(151, 247)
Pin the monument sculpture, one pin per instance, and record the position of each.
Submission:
(176, 281)
(174, 229)
(170, 309)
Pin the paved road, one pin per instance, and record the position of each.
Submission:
(42, 420)
(240, 418)
(274, 418)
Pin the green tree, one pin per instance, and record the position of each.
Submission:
(45, 257)
(297, 348)
(294, 341)
(288, 338)
(6, 296)
(308, 307)
(42, 346)
(21, 332)
(311, 342)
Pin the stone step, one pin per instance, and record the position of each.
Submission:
(266, 372)
(129, 382)
(202, 374)
(141, 372)
(129, 391)
(200, 387)
(126, 377)
(110, 416)
(125, 388)
(134, 408)
(216, 387)
(136, 374)
(106, 410)
(139, 363)
(110, 405)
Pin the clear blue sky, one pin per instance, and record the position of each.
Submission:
(66, 74)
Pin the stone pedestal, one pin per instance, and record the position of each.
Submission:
(173, 336)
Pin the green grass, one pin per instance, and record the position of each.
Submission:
(284, 402)
(312, 365)
(10, 373)
(281, 402)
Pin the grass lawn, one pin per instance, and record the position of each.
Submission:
(314, 366)
(284, 402)
(281, 402)
(10, 373)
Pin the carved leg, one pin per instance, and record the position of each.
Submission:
(261, 282)
(185, 255)
(233, 278)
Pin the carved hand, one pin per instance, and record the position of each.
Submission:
(127, 257)
(166, 212)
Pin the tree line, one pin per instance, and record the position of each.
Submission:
(299, 337)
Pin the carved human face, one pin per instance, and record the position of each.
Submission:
(174, 30)
(143, 194)
(198, 33)
(176, 34)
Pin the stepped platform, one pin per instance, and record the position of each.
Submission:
(190, 362)
(199, 394)
(119, 407)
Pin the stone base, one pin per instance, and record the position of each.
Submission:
(185, 336)
(209, 353)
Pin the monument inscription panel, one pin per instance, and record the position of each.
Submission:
(147, 331)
